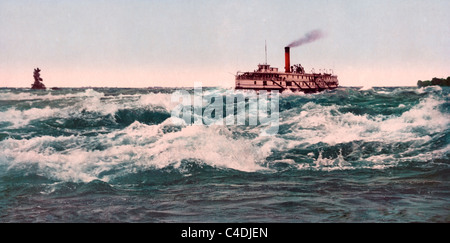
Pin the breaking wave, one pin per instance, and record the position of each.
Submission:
(91, 141)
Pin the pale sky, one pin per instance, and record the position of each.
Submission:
(143, 43)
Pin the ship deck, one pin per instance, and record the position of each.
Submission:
(306, 82)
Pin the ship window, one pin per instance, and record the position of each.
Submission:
(254, 82)
(288, 83)
(264, 82)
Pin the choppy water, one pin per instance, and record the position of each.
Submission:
(114, 155)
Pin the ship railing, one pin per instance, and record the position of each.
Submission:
(253, 77)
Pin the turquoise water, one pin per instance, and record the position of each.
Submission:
(115, 155)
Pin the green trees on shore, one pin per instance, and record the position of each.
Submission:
(434, 81)
(37, 80)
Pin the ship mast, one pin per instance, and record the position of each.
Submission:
(265, 48)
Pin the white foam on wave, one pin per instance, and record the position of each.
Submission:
(20, 96)
(326, 124)
(211, 145)
(368, 87)
(317, 123)
(87, 101)
(35, 155)
(331, 163)
(141, 147)
(158, 100)
(138, 147)
(48, 95)
(433, 88)
(20, 118)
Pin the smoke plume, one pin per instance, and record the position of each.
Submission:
(309, 37)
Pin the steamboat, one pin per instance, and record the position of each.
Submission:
(293, 78)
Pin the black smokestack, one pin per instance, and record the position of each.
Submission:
(309, 37)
